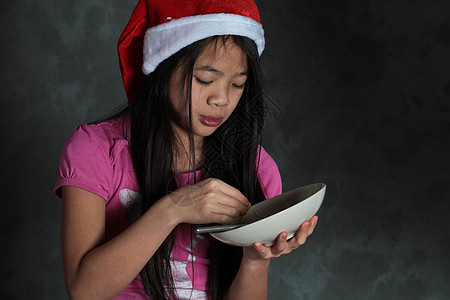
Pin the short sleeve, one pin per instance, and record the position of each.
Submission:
(269, 175)
(85, 162)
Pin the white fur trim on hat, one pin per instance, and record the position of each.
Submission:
(164, 40)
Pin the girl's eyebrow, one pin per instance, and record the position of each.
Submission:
(209, 68)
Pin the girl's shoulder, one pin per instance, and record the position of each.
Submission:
(91, 155)
(105, 131)
(105, 134)
(265, 161)
(269, 174)
(97, 143)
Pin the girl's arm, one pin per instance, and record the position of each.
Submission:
(97, 270)
(94, 269)
(251, 279)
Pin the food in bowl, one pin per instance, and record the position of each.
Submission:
(267, 219)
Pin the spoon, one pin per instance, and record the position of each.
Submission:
(216, 228)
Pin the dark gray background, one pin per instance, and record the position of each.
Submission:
(360, 96)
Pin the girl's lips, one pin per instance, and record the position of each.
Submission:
(211, 121)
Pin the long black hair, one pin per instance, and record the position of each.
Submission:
(229, 154)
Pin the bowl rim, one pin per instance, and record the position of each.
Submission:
(322, 188)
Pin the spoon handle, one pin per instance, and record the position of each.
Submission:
(216, 228)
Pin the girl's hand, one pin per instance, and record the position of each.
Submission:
(208, 201)
(258, 252)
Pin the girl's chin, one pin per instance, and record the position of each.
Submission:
(205, 131)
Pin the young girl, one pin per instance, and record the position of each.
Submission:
(184, 152)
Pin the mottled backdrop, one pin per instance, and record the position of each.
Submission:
(359, 95)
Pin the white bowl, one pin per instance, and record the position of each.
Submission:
(267, 219)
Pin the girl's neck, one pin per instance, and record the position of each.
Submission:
(183, 158)
(186, 166)
(183, 161)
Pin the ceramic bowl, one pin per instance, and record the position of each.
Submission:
(267, 219)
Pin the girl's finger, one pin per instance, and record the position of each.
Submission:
(260, 249)
(300, 235)
(223, 209)
(215, 185)
(221, 219)
(228, 203)
(313, 223)
(281, 244)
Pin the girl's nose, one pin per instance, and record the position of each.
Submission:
(219, 97)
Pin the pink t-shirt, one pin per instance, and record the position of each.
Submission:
(97, 158)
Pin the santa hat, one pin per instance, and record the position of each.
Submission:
(158, 29)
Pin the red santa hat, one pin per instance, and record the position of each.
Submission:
(158, 29)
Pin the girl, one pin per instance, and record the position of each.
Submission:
(184, 151)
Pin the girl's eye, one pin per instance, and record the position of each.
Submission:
(239, 86)
(199, 81)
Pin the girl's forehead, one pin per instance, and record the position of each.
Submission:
(222, 53)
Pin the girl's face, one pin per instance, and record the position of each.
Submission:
(219, 76)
